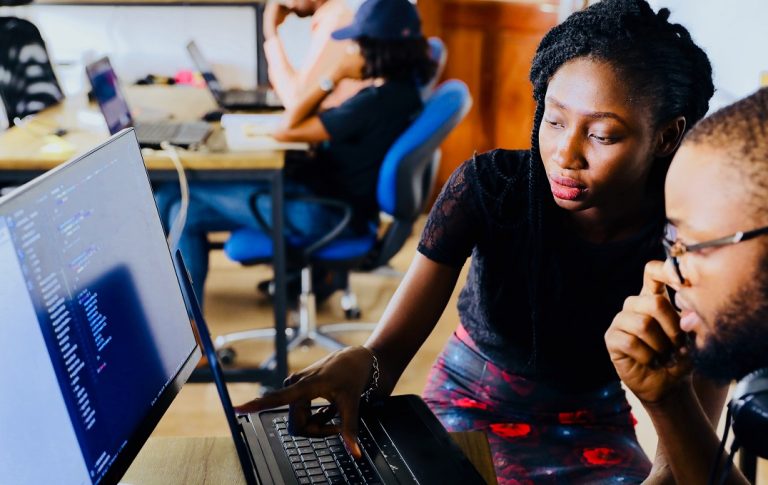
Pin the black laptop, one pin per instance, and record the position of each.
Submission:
(117, 114)
(259, 99)
(402, 441)
(97, 340)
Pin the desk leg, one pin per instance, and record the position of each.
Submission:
(278, 242)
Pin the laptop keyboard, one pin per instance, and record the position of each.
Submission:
(325, 460)
(156, 131)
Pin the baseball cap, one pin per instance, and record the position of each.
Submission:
(383, 20)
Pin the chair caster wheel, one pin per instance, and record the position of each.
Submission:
(226, 355)
(352, 314)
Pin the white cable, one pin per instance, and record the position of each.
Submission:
(174, 233)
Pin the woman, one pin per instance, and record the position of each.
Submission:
(351, 139)
(559, 236)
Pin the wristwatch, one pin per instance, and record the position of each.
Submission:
(327, 84)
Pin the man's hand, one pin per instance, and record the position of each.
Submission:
(645, 342)
(274, 15)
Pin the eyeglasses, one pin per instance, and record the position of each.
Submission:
(675, 248)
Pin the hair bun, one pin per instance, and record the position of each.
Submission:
(663, 14)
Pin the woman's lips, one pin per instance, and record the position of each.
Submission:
(566, 188)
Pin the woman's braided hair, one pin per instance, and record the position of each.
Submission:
(659, 61)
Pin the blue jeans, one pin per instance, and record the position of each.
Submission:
(225, 206)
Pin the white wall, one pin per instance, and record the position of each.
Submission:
(143, 40)
(735, 37)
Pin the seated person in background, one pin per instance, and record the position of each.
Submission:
(323, 54)
(559, 236)
(352, 139)
(717, 186)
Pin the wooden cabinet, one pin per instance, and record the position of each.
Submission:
(490, 45)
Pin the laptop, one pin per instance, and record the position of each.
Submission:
(114, 107)
(97, 337)
(402, 441)
(259, 99)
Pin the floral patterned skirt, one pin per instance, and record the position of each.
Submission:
(538, 434)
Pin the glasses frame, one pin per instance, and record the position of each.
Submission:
(675, 249)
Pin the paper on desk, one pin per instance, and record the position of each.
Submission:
(249, 132)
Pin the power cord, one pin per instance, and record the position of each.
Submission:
(174, 234)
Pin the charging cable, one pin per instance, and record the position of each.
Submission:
(174, 234)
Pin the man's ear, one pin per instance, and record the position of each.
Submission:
(669, 136)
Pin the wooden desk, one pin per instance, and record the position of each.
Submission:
(27, 152)
(213, 460)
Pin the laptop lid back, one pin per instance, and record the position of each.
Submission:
(215, 366)
(202, 65)
(106, 90)
(97, 336)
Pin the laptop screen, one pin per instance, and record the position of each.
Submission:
(106, 90)
(97, 339)
(205, 70)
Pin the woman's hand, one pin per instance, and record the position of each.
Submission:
(645, 342)
(340, 378)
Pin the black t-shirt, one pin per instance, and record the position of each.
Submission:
(483, 211)
(362, 129)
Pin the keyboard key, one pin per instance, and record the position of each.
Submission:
(301, 442)
(331, 472)
(315, 471)
(323, 452)
(306, 450)
(300, 473)
(337, 449)
(319, 445)
(294, 459)
(311, 464)
(318, 480)
(298, 466)
(325, 459)
(304, 481)
(337, 480)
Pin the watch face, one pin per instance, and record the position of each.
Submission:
(326, 85)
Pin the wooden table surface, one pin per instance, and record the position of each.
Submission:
(213, 460)
(35, 148)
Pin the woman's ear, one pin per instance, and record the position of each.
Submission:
(669, 136)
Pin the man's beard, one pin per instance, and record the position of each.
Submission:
(738, 343)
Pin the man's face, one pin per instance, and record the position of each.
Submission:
(724, 299)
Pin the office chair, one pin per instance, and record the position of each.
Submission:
(27, 81)
(439, 54)
(405, 181)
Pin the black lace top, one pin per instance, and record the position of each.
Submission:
(485, 211)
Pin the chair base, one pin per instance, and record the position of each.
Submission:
(306, 334)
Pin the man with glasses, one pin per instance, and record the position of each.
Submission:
(705, 309)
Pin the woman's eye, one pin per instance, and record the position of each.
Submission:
(553, 123)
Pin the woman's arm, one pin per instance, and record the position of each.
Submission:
(343, 376)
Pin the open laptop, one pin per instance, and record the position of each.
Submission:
(402, 441)
(259, 99)
(114, 107)
(97, 340)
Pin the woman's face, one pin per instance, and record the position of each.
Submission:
(597, 142)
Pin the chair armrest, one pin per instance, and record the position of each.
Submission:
(333, 233)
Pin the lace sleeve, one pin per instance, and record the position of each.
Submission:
(452, 226)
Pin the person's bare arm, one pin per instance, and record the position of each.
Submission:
(281, 73)
(343, 376)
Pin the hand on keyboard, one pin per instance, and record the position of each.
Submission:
(340, 378)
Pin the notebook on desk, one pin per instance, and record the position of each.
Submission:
(117, 114)
(259, 99)
(97, 340)
(402, 441)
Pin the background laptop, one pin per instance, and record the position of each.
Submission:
(402, 441)
(97, 340)
(114, 107)
(261, 98)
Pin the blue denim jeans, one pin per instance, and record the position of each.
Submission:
(225, 206)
